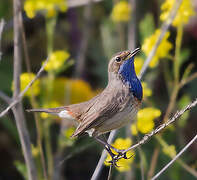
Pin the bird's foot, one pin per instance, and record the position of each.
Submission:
(116, 156)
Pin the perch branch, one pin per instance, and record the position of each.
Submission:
(161, 127)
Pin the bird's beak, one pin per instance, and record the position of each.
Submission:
(134, 52)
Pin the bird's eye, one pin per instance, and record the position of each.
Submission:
(118, 59)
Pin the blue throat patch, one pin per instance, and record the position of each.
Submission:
(127, 71)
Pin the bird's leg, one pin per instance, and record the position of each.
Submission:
(108, 147)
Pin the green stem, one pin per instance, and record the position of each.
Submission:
(176, 86)
(177, 53)
(50, 27)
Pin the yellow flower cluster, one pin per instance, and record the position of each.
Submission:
(49, 7)
(56, 60)
(169, 150)
(124, 164)
(25, 79)
(145, 120)
(183, 15)
(121, 12)
(163, 49)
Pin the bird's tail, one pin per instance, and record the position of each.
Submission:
(48, 110)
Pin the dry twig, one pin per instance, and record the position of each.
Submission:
(2, 24)
(18, 109)
(20, 96)
(175, 158)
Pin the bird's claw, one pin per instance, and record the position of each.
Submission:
(116, 157)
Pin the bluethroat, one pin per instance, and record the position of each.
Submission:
(113, 108)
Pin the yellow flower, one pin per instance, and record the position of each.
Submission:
(162, 50)
(25, 79)
(145, 119)
(169, 150)
(68, 91)
(183, 15)
(134, 130)
(121, 12)
(138, 63)
(35, 150)
(146, 91)
(125, 164)
(56, 61)
(52, 104)
(49, 7)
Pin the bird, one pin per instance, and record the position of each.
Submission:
(113, 108)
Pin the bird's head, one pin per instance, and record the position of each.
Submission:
(121, 66)
(119, 60)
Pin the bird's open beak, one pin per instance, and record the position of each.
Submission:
(134, 52)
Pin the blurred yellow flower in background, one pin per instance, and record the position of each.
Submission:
(145, 119)
(121, 12)
(169, 150)
(56, 60)
(68, 91)
(146, 91)
(138, 63)
(183, 15)
(25, 79)
(49, 7)
(124, 164)
(35, 150)
(162, 50)
(133, 129)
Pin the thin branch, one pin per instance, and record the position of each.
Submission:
(86, 32)
(161, 127)
(102, 158)
(2, 24)
(33, 100)
(110, 172)
(175, 158)
(187, 168)
(187, 80)
(5, 98)
(153, 162)
(76, 3)
(20, 96)
(18, 109)
(165, 26)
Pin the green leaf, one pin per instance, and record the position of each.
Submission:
(146, 27)
(21, 168)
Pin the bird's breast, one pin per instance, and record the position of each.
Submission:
(120, 119)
